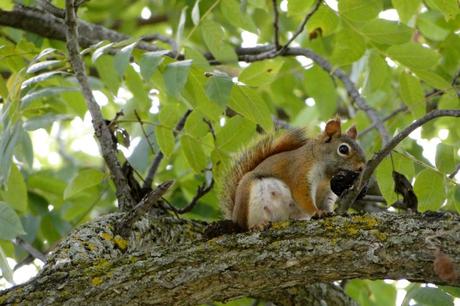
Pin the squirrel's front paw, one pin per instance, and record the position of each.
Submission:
(261, 226)
(320, 214)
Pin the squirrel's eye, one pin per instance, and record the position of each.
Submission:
(343, 149)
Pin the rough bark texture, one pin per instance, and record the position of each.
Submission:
(166, 261)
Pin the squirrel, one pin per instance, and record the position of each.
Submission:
(288, 177)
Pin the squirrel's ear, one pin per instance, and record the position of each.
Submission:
(332, 128)
(352, 132)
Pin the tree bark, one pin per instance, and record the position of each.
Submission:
(167, 261)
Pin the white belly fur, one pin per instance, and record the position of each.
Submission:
(271, 200)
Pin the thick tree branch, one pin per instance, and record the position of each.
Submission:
(102, 132)
(371, 165)
(167, 262)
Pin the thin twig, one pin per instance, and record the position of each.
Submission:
(276, 27)
(138, 118)
(200, 192)
(30, 249)
(454, 173)
(102, 132)
(372, 164)
(384, 119)
(211, 128)
(142, 208)
(302, 26)
(159, 157)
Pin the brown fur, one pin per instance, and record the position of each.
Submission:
(251, 158)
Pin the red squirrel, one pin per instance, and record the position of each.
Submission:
(288, 177)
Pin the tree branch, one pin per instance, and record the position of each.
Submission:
(302, 26)
(102, 132)
(371, 165)
(159, 157)
(276, 27)
(166, 261)
(384, 119)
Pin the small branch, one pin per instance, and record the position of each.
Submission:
(138, 118)
(30, 249)
(200, 192)
(159, 157)
(142, 208)
(384, 119)
(102, 132)
(350, 196)
(302, 26)
(276, 27)
(454, 173)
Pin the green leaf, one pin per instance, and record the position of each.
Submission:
(359, 10)
(261, 73)
(198, 98)
(195, 125)
(232, 11)
(196, 13)
(449, 8)
(42, 77)
(180, 25)
(8, 142)
(250, 104)
(136, 86)
(45, 65)
(321, 88)
(445, 158)
(100, 51)
(406, 8)
(359, 290)
(7, 272)
(121, 60)
(46, 92)
(194, 153)
(106, 68)
(379, 76)
(82, 181)
(432, 297)
(175, 77)
(15, 193)
(433, 79)
(325, 19)
(349, 47)
(10, 225)
(383, 174)
(228, 140)
(218, 89)
(386, 32)
(149, 63)
(213, 36)
(412, 94)
(414, 56)
(165, 139)
(433, 26)
(429, 188)
(383, 294)
(299, 7)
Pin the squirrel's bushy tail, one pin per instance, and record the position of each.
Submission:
(249, 158)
